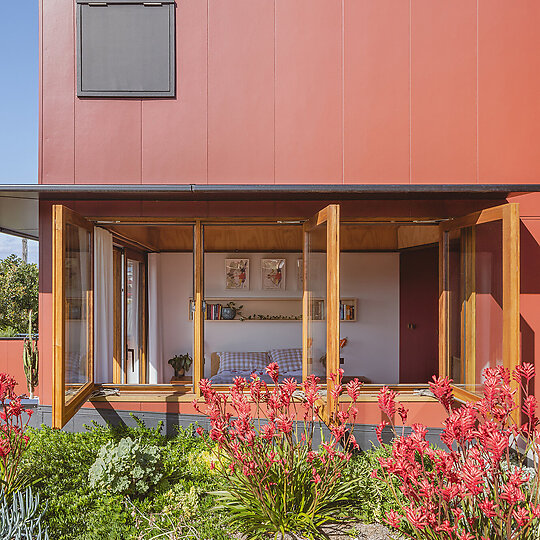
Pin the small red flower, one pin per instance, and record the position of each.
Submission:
(524, 371)
(416, 517)
(379, 430)
(387, 401)
(393, 519)
(273, 370)
(353, 389)
(442, 389)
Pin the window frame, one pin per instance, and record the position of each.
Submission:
(63, 411)
(144, 392)
(127, 93)
(508, 214)
(330, 217)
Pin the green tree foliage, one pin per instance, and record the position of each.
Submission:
(18, 294)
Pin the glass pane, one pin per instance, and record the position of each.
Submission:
(316, 289)
(133, 305)
(489, 298)
(455, 288)
(78, 298)
(475, 292)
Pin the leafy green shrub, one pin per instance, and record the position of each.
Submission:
(9, 331)
(372, 497)
(18, 293)
(60, 461)
(128, 468)
(20, 518)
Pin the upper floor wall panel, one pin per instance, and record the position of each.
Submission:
(309, 91)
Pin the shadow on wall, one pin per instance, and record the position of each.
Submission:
(530, 284)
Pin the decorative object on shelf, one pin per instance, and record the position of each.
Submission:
(342, 344)
(261, 317)
(237, 273)
(30, 359)
(300, 274)
(230, 311)
(273, 274)
(180, 364)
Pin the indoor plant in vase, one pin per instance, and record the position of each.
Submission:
(230, 311)
(181, 364)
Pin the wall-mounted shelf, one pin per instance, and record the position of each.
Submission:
(272, 309)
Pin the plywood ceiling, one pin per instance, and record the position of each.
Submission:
(272, 238)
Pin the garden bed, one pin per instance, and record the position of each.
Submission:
(236, 482)
(74, 510)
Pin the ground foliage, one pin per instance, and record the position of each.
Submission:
(75, 511)
(182, 504)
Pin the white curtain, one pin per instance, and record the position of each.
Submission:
(103, 306)
(132, 295)
(155, 335)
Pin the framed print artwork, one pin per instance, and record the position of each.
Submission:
(237, 273)
(273, 273)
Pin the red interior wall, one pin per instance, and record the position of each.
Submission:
(418, 305)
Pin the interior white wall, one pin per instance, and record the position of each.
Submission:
(373, 340)
(214, 275)
(249, 335)
(371, 278)
(176, 287)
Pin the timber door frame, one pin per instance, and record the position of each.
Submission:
(329, 216)
(62, 412)
(508, 214)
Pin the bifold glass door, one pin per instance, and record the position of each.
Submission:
(479, 295)
(73, 281)
(321, 301)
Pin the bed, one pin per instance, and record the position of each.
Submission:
(227, 365)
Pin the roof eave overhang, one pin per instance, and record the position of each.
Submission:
(264, 191)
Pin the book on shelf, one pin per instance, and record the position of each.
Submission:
(211, 313)
(347, 312)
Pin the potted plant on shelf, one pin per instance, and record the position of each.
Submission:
(180, 364)
(230, 311)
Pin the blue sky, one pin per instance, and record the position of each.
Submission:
(19, 91)
(18, 103)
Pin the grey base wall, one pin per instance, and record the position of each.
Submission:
(364, 433)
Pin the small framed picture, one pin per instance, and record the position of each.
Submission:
(273, 273)
(237, 273)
